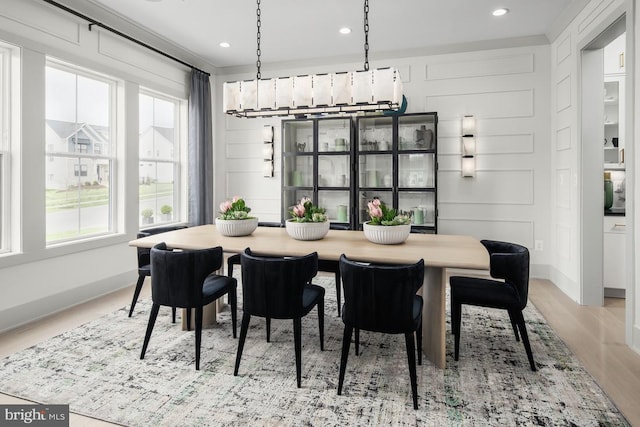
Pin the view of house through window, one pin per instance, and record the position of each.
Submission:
(159, 158)
(80, 153)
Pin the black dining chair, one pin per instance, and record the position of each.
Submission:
(280, 288)
(382, 298)
(510, 262)
(325, 265)
(186, 279)
(144, 263)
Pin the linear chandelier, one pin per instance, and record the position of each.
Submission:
(330, 93)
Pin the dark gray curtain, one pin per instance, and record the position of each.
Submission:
(200, 151)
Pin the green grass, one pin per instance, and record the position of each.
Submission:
(57, 200)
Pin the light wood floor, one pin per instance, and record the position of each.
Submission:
(594, 334)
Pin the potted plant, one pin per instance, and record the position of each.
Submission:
(308, 221)
(147, 216)
(234, 219)
(166, 210)
(386, 227)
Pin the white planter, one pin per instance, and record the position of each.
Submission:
(386, 234)
(307, 230)
(236, 227)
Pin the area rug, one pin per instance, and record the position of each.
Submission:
(96, 369)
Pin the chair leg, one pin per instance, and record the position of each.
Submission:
(419, 341)
(136, 293)
(152, 321)
(173, 315)
(198, 335)
(188, 310)
(346, 342)
(243, 335)
(357, 342)
(514, 324)
(297, 338)
(268, 329)
(525, 338)
(456, 321)
(411, 356)
(321, 322)
(233, 301)
(338, 289)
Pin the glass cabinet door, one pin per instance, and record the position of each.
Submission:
(375, 134)
(334, 135)
(297, 136)
(417, 133)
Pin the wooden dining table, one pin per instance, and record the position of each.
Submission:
(439, 251)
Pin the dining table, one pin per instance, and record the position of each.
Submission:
(439, 252)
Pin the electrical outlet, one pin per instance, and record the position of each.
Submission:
(538, 245)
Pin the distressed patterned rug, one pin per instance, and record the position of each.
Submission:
(96, 369)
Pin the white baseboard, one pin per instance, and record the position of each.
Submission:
(17, 316)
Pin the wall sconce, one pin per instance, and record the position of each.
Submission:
(468, 166)
(468, 146)
(267, 151)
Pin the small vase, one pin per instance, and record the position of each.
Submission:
(236, 227)
(307, 230)
(386, 234)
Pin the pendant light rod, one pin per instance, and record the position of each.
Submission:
(258, 51)
(366, 35)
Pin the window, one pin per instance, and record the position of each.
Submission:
(80, 194)
(159, 174)
(9, 110)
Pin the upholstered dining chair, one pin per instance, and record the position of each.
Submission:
(382, 298)
(144, 263)
(186, 279)
(328, 266)
(510, 262)
(280, 288)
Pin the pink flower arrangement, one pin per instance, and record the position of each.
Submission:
(235, 208)
(306, 211)
(381, 215)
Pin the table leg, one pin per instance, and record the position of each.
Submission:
(433, 315)
(208, 317)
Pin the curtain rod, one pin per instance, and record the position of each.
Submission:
(93, 22)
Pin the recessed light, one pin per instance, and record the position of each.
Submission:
(345, 30)
(500, 12)
(225, 44)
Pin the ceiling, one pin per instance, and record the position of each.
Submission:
(299, 30)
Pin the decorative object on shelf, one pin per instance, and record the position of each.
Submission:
(267, 151)
(234, 219)
(331, 93)
(147, 216)
(424, 137)
(386, 227)
(608, 191)
(166, 210)
(468, 166)
(307, 222)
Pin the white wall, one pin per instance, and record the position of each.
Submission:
(36, 280)
(507, 90)
(566, 153)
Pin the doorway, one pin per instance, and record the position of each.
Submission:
(603, 135)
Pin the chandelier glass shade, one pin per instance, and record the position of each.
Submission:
(343, 92)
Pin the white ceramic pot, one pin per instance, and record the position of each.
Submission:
(236, 227)
(307, 230)
(386, 234)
